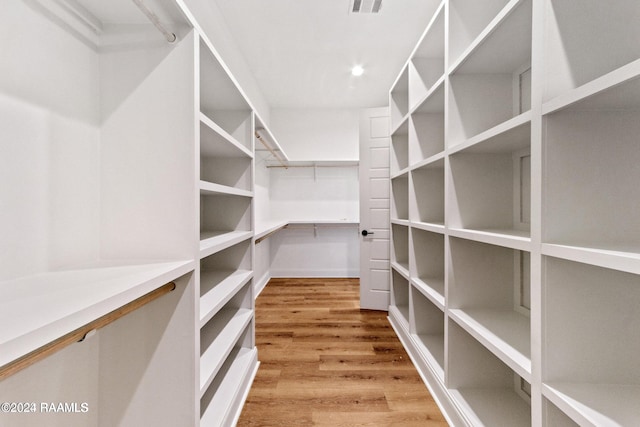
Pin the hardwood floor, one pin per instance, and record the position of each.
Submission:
(326, 362)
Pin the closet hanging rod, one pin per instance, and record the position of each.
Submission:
(171, 37)
(311, 166)
(271, 150)
(80, 333)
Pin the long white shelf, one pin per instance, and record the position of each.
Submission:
(224, 285)
(402, 268)
(216, 142)
(229, 325)
(596, 404)
(433, 101)
(514, 239)
(212, 189)
(429, 226)
(618, 77)
(36, 310)
(238, 377)
(492, 407)
(432, 288)
(509, 135)
(430, 162)
(504, 332)
(215, 241)
(617, 258)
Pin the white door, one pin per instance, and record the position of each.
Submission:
(374, 209)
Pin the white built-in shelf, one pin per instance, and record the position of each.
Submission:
(431, 348)
(427, 62)
(428, 330)
(399, 100)
(216, 142)
(400, 295)
(427, 198)
(400, 197)
(432, 288)
(471, 22)
(220, 337)
(505, 333)
(504, 45)
(613, 90)
(436, 161)
(622, 258)
(215, 241)
(219, 405)
(515, 239)
(596, 404)
(492, 406)
(44, 307)
(217, 288)
(510, 135)
(399, 160)
(402, 268)
(323, 222)
(212, 189)
(585, 41)
(264, 229)
(403, 222)
(434, 227)
(313, 164)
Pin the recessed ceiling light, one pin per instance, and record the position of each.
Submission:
(357, 70)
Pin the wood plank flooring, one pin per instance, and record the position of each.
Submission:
(326, 362)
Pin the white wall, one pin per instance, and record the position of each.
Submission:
(320, 194)
(317, 134)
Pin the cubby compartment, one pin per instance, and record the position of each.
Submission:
(221, 404)
(428, 194)
(222, 332)
(400, 149)
(147, 355)
(427, 63)
(467, 20)
(399, 99)
(493, 83)
(400, 247)
(233, 171)
(400, 197)
(489, 294)
(426, 127)
(587, 40)
(224, 109)
(591, 369)
(485, 389)
(399, 305)
(591, 174)
(490, 187)
(428, 330)
(222, 275)
(427, 264)
(224, 221)
(554, 417)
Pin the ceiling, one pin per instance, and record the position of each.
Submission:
(301, 51)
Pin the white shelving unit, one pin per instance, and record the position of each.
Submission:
(228, 357)
(517, 167)
(140, 157)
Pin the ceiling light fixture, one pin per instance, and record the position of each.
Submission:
(357, 70)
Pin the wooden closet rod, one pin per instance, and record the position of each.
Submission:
(271, 150)
(171, 37)
(80, 333)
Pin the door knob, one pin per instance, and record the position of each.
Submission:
(365, 233)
